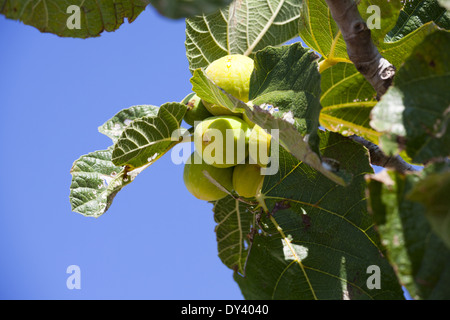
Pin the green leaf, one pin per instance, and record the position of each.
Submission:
(176, 9)
(292, 69)
(96, 181)
(415, 111)
(287, 78)
(432, 191)
(244, 27)
(148, 138)
(209, 92)
(97, 177)
(52, 16)
(347, 101)
(114, 127)
(319, 31)
(234, 222)
(419, 256)
(320, 240)
(415, 14)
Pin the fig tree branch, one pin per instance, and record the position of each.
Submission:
(361, 50)
(379, 158)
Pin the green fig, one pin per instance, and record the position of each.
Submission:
(259, 146)
(231, 73)
(199, 185)
(196, 110)
(247, 180)
(222, 141)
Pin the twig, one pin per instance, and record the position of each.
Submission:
(379, 158)
(361, 50)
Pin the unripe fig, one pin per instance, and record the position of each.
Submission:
(222, 141)
(199, 185)
(247, 180)
(259, 146)
(231, 73)
(196, 110)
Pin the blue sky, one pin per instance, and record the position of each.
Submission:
(156, 241)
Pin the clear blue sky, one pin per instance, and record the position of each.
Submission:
(156, 241)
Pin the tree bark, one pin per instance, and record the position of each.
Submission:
(361, 50)
(379, 158)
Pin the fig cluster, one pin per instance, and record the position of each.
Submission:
(229, 149)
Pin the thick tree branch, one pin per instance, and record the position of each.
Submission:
(379, 158)
(360, 48)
